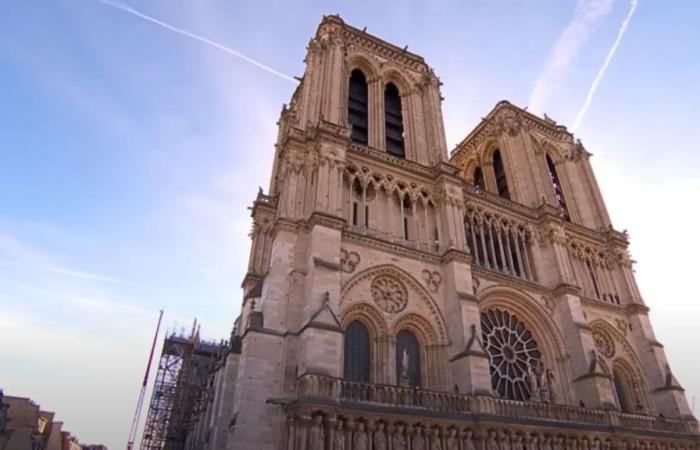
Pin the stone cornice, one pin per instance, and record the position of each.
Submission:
(455, 254)
(618, 309)
(543, 215)
(325, 219)
(510, 281)
(389, 162)
(390, 247)
(374, 44)
(485, 129)
(498, 203)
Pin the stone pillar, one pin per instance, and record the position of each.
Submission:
(321, 337)
(469, 364)
(591, 385)
(375, 113)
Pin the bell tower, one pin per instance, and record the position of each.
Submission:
(396, 296)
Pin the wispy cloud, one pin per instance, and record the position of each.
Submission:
(127, 8)
(99, 304)
(587, 16)
(81, 274)
(606, 63)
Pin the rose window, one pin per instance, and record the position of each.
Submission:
(513, 353)
(603, 343)
(389, 294)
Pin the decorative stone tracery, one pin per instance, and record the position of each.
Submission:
(603, 343)
(389, 294)
(517, 371)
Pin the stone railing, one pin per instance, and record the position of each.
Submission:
(322, 388)
(397, 396)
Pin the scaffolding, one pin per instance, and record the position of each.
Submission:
(182, 375)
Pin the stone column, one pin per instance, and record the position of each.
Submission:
(591, 385)
(468, 363)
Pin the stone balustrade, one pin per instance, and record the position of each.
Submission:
(482, 407)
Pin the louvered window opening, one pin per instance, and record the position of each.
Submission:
(500, 173)
(556, 185)
(357, 107)
(393, 121)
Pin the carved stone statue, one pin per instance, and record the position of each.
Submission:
(534, 443)
(533, 385)
(469, 440)
(360, 441)
(452, 441)
(418, 442)
(380, 440)
(339, 437)
(518, 442)
(505, 442)
(492, 442)
(399, 439)
(550, 386)
(404, 363)
(436, 440)
(595, 445)
(546, 443)
(558, 443)
(317, 436)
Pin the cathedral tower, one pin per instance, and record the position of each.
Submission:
(399, 298)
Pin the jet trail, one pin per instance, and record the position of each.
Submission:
(604, 67)
(126, 8)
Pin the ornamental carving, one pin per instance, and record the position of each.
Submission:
(389, 294)
(603, 343)
(432, 280)
(517, 372)
(349, 260)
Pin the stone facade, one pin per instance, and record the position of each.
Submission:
(498, 261)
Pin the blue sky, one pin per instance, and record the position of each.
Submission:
(128, 155)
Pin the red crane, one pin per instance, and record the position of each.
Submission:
(139, 405)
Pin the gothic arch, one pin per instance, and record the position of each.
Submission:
(553, 151)
(468, 166)
(537, 320)
(414, 287)
(392, 74)
(625, 358)
(417, 325)
(370, 317)
(363, 62)
(487, 150)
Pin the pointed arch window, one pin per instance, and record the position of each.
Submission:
(393, 121)
(556, 185)
(500, 173)
(479, 178)
(407, 359)
(356, 354)
(357, 106)
(619, 386)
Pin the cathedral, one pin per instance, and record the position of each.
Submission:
(403, 296)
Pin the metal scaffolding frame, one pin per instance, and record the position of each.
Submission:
(180, 385)
(158, 433)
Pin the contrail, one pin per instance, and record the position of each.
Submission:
(588, 14)
(126, 8)
(604, 67)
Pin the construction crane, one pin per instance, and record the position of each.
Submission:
(142, 394)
